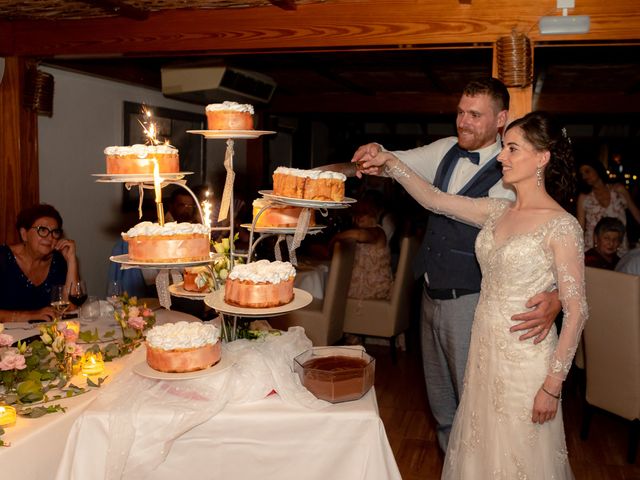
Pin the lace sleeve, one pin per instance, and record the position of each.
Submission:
(473, 211)
(566, 242)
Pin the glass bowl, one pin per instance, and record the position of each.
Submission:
(336, 374)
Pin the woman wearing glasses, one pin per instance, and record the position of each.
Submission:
(29, 270)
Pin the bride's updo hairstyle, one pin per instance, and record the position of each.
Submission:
(542, 131)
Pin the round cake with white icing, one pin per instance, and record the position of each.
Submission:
(260, 284)
(139, 159)
(183, 347)
(309, 184)
(169, 243)
(229, 116)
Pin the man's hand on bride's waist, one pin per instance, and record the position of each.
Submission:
(537, 322)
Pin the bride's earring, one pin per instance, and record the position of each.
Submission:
(539, 176)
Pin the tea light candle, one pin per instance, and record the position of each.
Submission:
(92, 364)
(7, 416)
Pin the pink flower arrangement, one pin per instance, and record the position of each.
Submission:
(134, 319)
(137, 322)
(11, 359)
(5, 340)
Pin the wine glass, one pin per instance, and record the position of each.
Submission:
(59, 301)
(114, 290)
(78, 293)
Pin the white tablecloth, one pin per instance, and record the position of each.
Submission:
(267, 439)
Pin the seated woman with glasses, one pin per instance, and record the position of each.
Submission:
(30, 269)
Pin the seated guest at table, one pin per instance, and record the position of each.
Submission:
(371, 277)
(30, 269)
(630, 262)
(608, 236)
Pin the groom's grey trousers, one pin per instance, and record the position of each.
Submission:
(445, 335)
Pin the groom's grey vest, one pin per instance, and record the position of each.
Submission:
(447, 253)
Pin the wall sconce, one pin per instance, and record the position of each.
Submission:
(565, 24)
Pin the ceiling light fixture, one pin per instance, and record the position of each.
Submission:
(565, 24)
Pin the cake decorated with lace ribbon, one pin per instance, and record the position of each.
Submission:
(183, 347)
(169, 243)
(309, 184)
(138, 159)
(260, 284)
(229, 116)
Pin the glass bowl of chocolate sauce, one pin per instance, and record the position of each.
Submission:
(336, 374)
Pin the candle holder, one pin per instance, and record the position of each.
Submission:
(92, 364)
(7, 416)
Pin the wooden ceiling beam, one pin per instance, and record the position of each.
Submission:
(284, 4)
(119, 8)
(337, 24)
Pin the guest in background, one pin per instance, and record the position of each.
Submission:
(182, 207)
(608, 236)
(602, 200)
(371, 277)
(29, 270)
(630, 262)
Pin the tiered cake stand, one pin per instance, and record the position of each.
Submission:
(215, 299)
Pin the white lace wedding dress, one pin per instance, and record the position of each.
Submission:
(493, 436)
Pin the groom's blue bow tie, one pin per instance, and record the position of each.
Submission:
(474, 157)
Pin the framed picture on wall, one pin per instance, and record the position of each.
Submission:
(171, 125)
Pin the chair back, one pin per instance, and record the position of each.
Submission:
(386, 318)
(335, 294)
(612, 342)
(403, 285)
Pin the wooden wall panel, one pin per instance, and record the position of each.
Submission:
(19, 183)
(331, 25)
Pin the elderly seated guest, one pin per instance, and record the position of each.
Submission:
(608, 236)
(30, 269)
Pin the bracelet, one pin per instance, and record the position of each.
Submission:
(557, 397)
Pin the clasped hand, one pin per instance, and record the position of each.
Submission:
(370, 159)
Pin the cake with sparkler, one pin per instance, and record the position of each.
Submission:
(229, 116)
(169, 243)
(309, 184)
(260, 284)
(139, 159)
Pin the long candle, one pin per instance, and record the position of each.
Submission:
(7, 416)
(157, 182)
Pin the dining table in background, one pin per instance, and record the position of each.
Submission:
(311, 276)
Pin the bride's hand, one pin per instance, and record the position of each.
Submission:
(545, 407)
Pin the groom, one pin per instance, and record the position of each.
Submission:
(466, 165)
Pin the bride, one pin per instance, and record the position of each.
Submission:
(509, 421)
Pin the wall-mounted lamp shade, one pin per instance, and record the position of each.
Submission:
(565, 24)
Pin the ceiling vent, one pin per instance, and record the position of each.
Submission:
(206, 85)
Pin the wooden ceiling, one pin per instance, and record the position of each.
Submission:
(340, 55)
